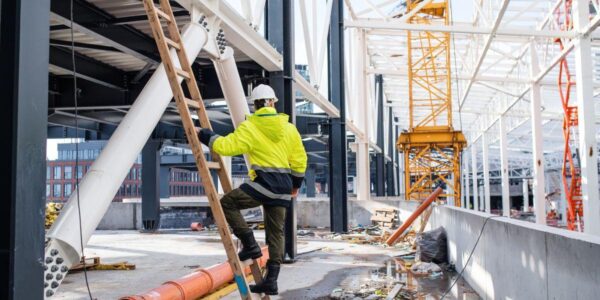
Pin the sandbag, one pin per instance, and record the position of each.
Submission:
(432, 246)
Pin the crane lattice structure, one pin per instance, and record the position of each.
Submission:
(431, 147)
(571, 175)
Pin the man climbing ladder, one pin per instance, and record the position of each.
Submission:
(277, 164)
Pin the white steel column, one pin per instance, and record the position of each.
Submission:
(474, 170)
(486, 173)
(504, 169)
(363, 174)
(538, 153)
(587, 128)
(526, 195)
(467, 188)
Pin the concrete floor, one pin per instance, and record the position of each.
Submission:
(172, 254)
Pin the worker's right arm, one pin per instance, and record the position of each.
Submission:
(236, 143)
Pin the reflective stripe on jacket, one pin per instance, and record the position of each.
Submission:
(276, 153)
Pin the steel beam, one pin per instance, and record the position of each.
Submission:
(389, 168)
(539, 196)
(486, 173)
(88, 68)
(338, 174)
(486, 47)
(474, 170)
(280, 33)
(526, 203)
(24, 85)
(467, 187)
(379, 157)
(124, 38)
(151, 185)
(588, 149)
(504, 169)
(457, 29)
(239, 33)
(310, 180)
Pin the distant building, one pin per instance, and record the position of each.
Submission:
(61, 176)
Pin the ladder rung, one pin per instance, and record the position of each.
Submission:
(192, 103)
(213, 165)
(182, 73)
(172, 43)
(162, 14)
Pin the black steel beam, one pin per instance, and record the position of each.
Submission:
(389, 169)
(338, 173)
(88, 68)
(92, 20)
(380, 157)
(309, 180)
(280, 33)
(24, 86)
(139, 18)
(78, 45)
(151, 185)
(279, 18)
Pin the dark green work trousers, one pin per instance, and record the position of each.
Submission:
(274, 217)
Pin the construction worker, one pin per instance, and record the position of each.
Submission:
(277, 164)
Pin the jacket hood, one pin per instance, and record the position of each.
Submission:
(269, 123)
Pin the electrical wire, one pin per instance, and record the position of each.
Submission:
(460, 274)
(87, 284)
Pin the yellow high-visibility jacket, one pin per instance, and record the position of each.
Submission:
(276, 153)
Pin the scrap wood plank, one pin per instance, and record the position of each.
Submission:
(392, 294)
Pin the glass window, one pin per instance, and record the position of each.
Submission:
(48, 173)
(47, 190)
(68, 189)
(56, 193)
(79, 172)
(68, 172)
(57, 172)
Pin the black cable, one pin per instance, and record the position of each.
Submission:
(87, 284)
(460, 274)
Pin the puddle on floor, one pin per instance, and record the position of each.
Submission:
(378, 283)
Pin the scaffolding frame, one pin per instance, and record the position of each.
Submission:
(431, 148)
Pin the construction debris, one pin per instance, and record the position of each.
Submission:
(93, 263)
(52, 211)
(385, 217)
(425, 268)
(432, 246)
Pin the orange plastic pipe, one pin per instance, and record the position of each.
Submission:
(197, 284)
(400, 231)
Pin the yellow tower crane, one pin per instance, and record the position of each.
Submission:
(431, 147)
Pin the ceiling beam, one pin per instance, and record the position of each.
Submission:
(88, 68)
(124, 37)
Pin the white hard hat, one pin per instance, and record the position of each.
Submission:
(263, 91)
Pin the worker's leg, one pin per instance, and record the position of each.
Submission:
(274, 217)
(274, 221)
(232, 203)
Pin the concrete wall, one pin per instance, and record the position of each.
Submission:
(314, 212)
(521, 260)
(122, 216)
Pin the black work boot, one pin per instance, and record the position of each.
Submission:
(269, 284)
(250, 248)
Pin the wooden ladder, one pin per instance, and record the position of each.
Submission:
(173, 41)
